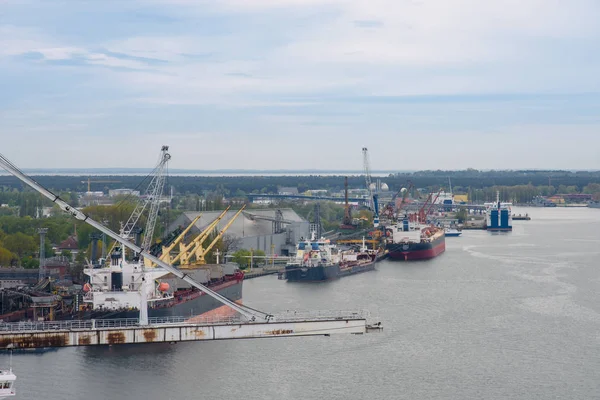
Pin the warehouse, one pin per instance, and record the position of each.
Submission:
(276, 230)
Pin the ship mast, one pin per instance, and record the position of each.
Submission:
(248, 313)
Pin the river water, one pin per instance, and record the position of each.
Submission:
(497, 316)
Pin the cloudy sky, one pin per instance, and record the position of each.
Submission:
(299, 84)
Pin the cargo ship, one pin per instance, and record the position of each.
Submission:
(320, 260)
(115, 291)
(409, 240)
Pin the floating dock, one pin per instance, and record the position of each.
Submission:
(32, 335)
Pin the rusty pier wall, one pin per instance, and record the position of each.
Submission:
(177, 333)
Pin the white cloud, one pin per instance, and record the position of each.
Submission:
(18, 40)
(419, 47)
(275, 49)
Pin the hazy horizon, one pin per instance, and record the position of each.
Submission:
(83, 172)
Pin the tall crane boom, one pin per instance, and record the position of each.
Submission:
(155, 191)
(202, 252)
(373, 200)
(184, 249)
(151, 198)
(166, 250)
(250, 314)
(367, 172)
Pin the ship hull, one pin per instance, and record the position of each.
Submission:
(416, 251)
(297, 273)
(357, 269)
(325, 273)
(185, 304)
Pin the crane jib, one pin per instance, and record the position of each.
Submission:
(251, 314)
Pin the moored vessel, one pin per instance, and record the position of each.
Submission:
(498, 215)
(319, 260)
(410, 240)
(116, 292)
(452, 232)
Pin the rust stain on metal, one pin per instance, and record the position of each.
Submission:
(279, 332)
(149, 335)
(116, 338)
(199, 333)
(84, 340)
(35, 340)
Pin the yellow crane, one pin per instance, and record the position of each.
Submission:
(184, 249)
(166, 250)
(89, 182)
(201, 252)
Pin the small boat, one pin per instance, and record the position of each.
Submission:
(452, 232)
(7, 382)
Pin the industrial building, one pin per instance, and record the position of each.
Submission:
(276, 230)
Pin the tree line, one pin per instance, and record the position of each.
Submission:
(239, 186)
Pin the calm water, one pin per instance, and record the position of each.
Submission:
(498, 316)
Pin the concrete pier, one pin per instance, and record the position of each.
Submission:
(176, 329)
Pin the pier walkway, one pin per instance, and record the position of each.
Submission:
(20, 335)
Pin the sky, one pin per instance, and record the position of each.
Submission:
(301, 84)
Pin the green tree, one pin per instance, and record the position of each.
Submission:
(462, 214)
(30, 262)
(6, 257)
(592, 188)
(242, 258)
(20, 244)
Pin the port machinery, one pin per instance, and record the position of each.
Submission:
(251, 323)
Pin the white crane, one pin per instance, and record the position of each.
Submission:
(151, 200)
(367, 171)
(247, 312)
(372, 197)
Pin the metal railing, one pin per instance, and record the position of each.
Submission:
(324, 315)
(120, 323)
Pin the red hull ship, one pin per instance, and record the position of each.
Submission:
(408, 241)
